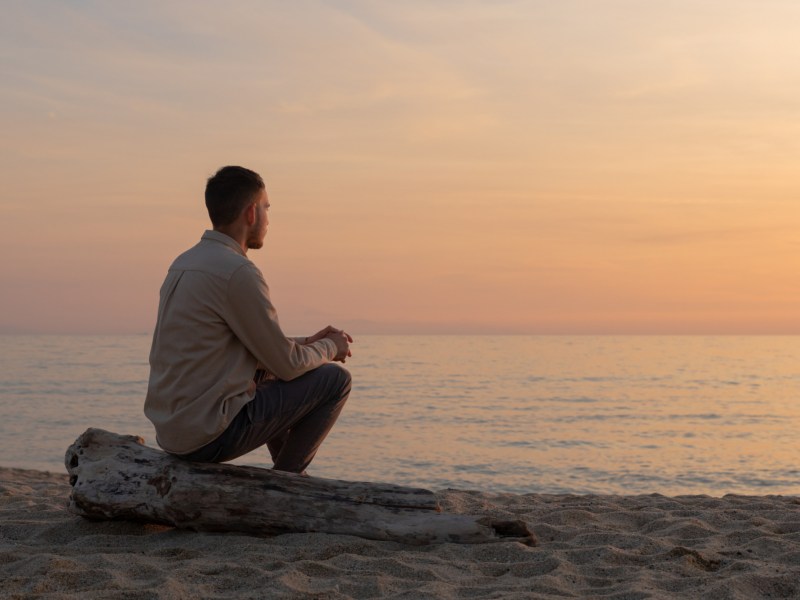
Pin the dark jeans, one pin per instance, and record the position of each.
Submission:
(291, 417)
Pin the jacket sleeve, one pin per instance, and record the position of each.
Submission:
(254, 320)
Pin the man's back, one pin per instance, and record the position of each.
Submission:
(199, 369)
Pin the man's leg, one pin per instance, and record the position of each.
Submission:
(291, 417)
(296, 446)
(275, 445)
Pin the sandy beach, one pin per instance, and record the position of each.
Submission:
(589, 547)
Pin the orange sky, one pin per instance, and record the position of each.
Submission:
(516, 167)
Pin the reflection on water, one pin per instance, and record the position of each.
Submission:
(601, 414)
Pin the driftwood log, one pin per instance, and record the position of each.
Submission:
(117, 477)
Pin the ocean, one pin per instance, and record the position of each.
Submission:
(525, 414)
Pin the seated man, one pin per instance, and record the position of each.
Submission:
(224, 379)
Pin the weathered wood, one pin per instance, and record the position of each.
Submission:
(118, 477)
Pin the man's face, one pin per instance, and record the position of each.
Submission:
(255, 237)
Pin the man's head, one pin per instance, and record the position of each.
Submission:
(238, 194)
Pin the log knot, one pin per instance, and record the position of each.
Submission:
(162, 484)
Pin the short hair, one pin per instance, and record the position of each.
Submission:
(229, 191)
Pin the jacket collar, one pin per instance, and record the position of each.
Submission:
(216, 236)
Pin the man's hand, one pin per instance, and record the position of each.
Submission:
(322, 333)
(339, 337)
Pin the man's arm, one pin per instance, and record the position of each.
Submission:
(254, 320)
(335, 334)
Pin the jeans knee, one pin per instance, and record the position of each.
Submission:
(334, 374)
(345, 378)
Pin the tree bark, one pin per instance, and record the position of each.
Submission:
(117, 477)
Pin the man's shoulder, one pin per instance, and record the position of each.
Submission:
(212, 258)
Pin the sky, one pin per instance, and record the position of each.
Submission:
(532, 167)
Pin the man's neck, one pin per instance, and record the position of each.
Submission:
(235, 233)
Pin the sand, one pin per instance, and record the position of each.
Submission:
(623, 547)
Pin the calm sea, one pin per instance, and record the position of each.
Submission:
(623, 415)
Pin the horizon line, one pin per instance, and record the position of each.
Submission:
(455, 333)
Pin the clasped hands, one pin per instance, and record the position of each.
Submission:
(339, 337)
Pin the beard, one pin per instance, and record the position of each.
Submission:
(253, 242)
(255, 237)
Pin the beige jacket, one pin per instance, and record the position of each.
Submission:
(215, 325)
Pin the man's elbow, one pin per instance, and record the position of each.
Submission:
(288, 372)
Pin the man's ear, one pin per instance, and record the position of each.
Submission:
(250, 213)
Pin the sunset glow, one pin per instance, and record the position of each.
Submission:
(475, 167)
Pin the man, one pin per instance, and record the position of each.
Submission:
(224, 379)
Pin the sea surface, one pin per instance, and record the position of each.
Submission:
(544, 414)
